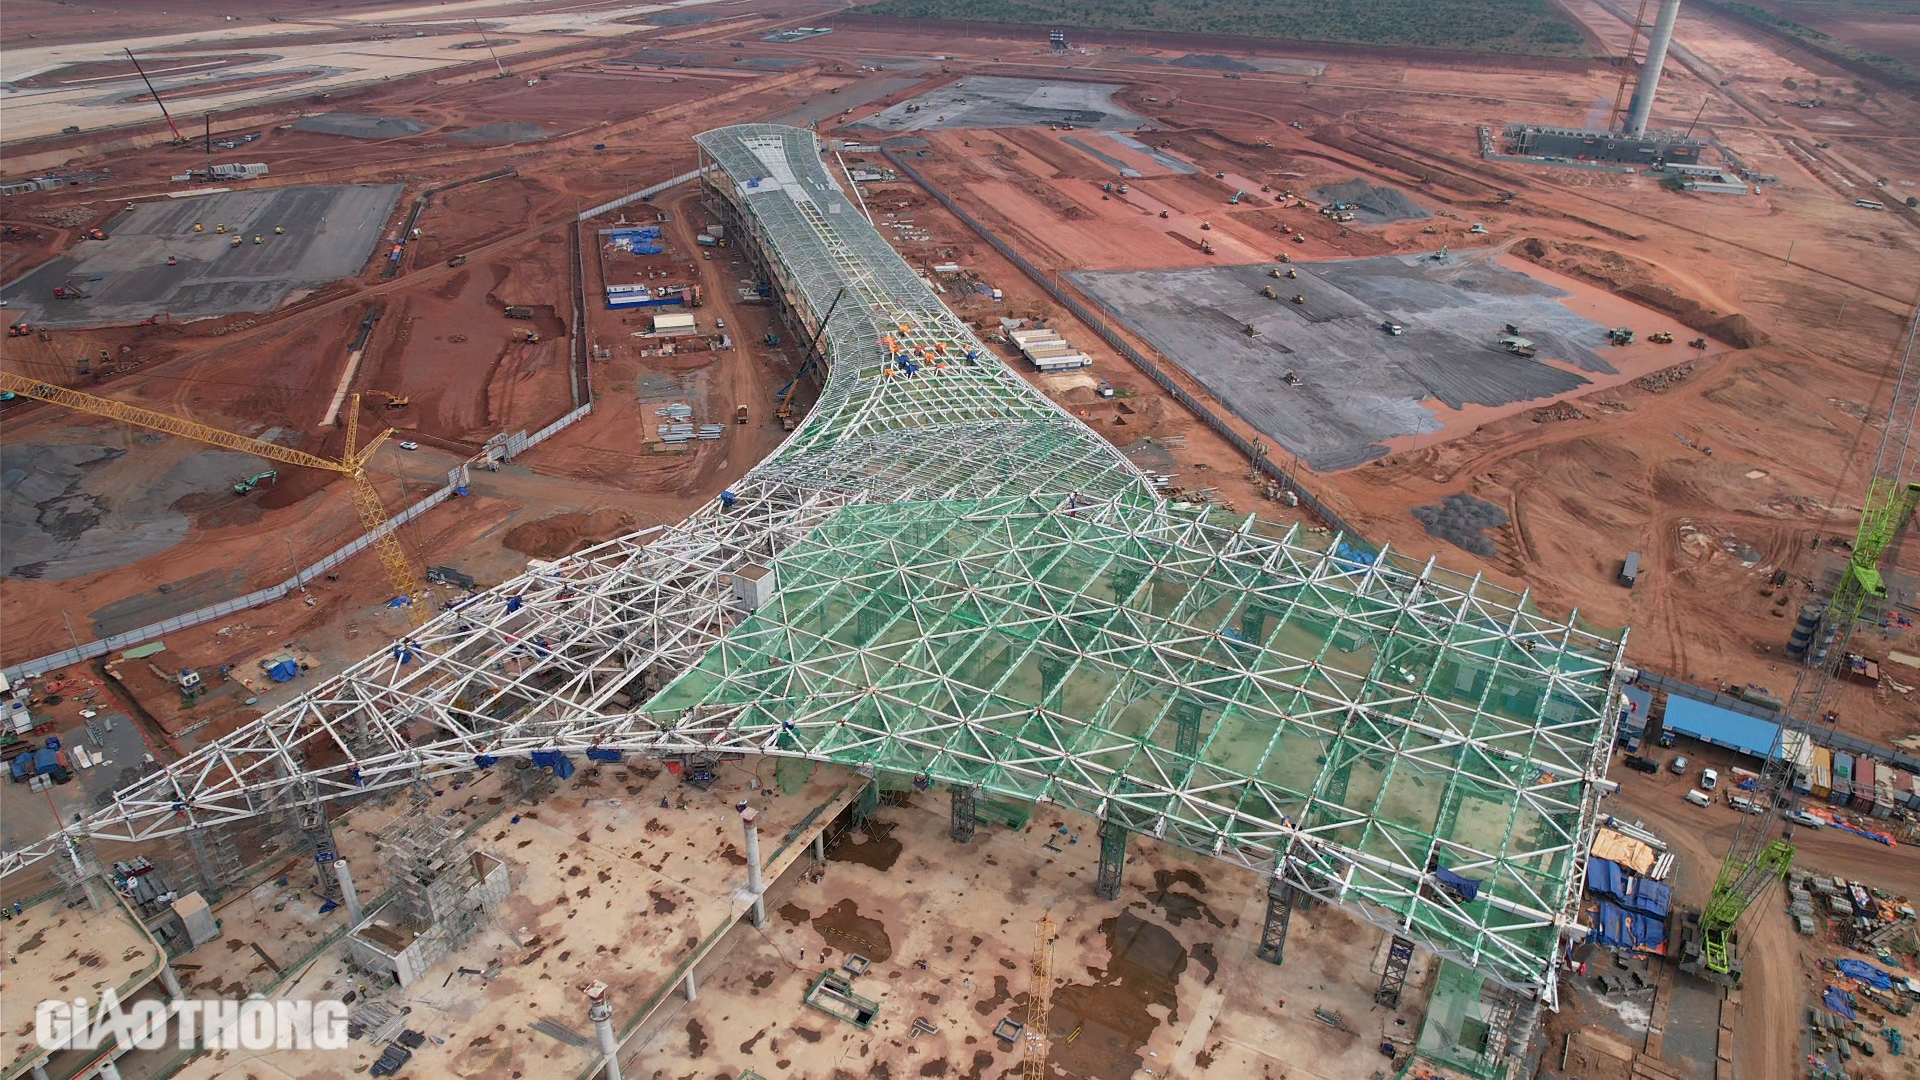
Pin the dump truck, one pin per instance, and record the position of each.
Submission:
(1393, 328)
(519, 311)
(457, 260)
(740, 415)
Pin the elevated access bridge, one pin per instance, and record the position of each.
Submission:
(942, 576)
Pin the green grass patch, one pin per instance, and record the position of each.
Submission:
(1852, 57)
(1530, 27)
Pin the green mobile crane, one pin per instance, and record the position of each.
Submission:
(1763, 847)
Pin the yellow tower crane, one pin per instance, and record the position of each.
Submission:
(1039, 1003)
(352, 464)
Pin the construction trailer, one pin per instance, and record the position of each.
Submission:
(250, 171)
(674, 324)
(1630, 569)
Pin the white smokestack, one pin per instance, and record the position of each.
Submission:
(1650, 70)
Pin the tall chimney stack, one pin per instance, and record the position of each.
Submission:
(1650, 69)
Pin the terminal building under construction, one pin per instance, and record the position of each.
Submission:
(942, 585)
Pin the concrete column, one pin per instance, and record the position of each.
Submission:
(601, 1014)
(693, 988)
(755, 882)
(348, 895)
(108, 1072)
(1657, 44)
(171, 981)
(820, 846)
(39, 1071)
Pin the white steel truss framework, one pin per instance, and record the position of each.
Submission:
(974, 589)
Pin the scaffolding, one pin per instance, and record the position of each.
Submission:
(972, 588)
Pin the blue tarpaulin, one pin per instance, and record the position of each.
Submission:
(1617, 927)
(1467, 887)
(1837, 1000)
(1644, 896)
(1605, 878)
(1648, 897)
(284, 671)
(1864, 972)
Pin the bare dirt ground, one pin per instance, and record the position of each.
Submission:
(440, 341)
(1786, 409)
(1721, 472)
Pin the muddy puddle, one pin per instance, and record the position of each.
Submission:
(871, 845)
(845, 929)
(1099, 1028)
(1181, 905)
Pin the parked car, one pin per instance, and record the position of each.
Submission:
(1709, 779)
(409, 445)
(1679, 765)
(1643, 764)
(1805, 820)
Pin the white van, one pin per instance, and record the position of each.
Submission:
(1698, 797)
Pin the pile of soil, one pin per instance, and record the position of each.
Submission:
(1463, 520)
(1737, 329)
(1375, 205)
(1641, 283)
(564, 534)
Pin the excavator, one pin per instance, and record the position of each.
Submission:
(1762, 849)
(405, 582)
(245, 487)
